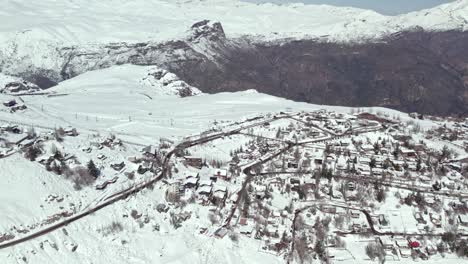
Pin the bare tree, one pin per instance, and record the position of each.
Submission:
(375, 251)
(300, 247)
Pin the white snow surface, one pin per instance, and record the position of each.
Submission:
(122, 100)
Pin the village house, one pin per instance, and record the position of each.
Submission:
(219, 194)
(419, 217)
(341, 164)
(364, 160)
(173, 192)
(246, 226)
(134, 159)
(295, 181)
(205, 187)
(118, 166)
(293, 165)
(318, 160)
(463, 220)
(407, 153)
(356, 227)
(354, 213)
(9, 103)
(386, 242)
(71, 132)
(193, 161)
(222, 174)
(377, 171)
(260, 191)
(429, 200)
(367, 148)
(145, 166)
(306, 163)
(436, 219)
(329, 209)
(149, 151)
(419, 147)
(401, 137)
(191, 181)
(431, 249)
(12, 129)
(401, 242)
(363, 170)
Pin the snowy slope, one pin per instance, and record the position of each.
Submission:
(102, 101)
(119, 100)
(444, 17)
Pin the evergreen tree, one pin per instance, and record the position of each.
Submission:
(278, 133)
(418, 165)
(376, 148)
(445, 153)
(92, 169)
(396, 152)
(329, 174)
(381, 195)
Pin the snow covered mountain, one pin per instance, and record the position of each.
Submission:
(36, 33)
(47, 42)
(148, 90)
(86, 21)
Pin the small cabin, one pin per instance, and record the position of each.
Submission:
(9, 103)
(193, 161)
(222, 174)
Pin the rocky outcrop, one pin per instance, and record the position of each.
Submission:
(206, 29)
(168, 83)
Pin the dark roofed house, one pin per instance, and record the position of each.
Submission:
(118, 166)
(9, 103)
(191, 182)
(193, 161)
(71, 131)
(408, 153)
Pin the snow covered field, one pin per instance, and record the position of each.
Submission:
(116, 100)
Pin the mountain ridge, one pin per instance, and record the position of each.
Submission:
(202, 50)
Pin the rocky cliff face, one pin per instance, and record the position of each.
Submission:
(410, 71)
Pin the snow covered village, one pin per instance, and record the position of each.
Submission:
(234, 132)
